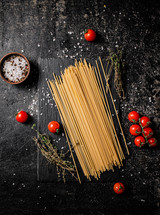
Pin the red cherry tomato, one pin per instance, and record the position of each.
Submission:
(135, 130)
(118, 188)
(139, 141)
(22, 116)
(145, 121)
(90, 35)
(148, 132)
(152, 142)
(133, 116)
(54, 127)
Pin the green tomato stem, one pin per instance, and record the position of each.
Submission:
(143, 131)
(85, 31)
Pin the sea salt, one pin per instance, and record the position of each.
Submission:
(15, 68)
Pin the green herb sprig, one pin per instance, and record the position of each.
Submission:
(51, 153)
(116, 63)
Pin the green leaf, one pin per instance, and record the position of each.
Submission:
(57, 130)
(33, 126)
(86, 31)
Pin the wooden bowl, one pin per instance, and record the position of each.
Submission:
(1, 67)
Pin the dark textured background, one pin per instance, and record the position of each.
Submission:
(50, 35)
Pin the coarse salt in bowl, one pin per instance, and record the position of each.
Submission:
(14, 68)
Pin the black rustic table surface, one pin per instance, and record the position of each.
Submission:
(51, 35)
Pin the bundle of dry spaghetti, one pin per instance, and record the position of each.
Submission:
(84, 109)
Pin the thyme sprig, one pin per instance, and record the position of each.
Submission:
(116, 63)
(52, 154)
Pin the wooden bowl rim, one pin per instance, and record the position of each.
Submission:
(2, 61)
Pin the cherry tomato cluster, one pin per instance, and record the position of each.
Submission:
(141, 128)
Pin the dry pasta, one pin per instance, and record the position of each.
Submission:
(84, 109)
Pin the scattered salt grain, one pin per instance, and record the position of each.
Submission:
(70, 32)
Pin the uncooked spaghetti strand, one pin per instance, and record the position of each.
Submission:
(100, 98)
(102, 105)
(97, 118)
(104, 123)
(113, 137)
(107, 124)
(68, 91)
(86, 122)
(67, 82)
(86, 90)
(91, 73)
(64, 116)
(87, 118)
(84, 166)
(78, 116)
(66, 135)
(101, 83)
(118, 120)
(72, 116)
(48, 82)
(114, 107)
(111, 121)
